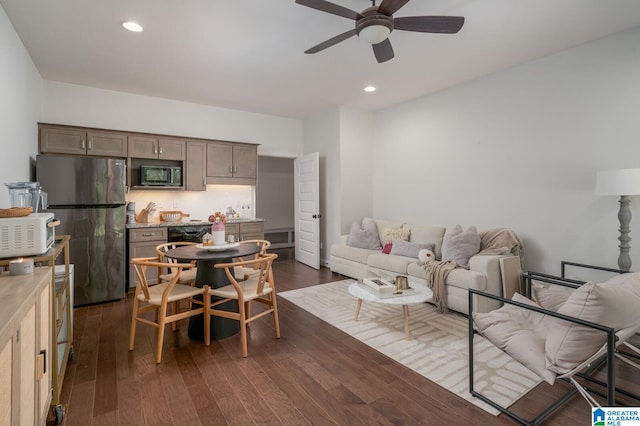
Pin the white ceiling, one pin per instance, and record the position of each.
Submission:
(248, 54)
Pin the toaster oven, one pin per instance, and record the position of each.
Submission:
(27, 236)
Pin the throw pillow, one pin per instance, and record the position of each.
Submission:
(459, 245)
(519, 332)
(407, 249)
(387, 248)
(390, 234)
(613, 304)
(364, 236)
(550, 296)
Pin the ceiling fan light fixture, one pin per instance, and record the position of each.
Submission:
(374, 30)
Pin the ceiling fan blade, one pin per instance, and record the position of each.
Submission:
(328, 43)
(328, 7)
(389, 7)
(429, 24)
(383, 51)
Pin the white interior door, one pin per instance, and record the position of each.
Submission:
(307, 207)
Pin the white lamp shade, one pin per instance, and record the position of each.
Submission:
(374, 34)
(618, 182)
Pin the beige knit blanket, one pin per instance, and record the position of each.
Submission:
(501, 241)
(437, 272)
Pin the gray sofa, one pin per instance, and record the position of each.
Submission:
(483, 271)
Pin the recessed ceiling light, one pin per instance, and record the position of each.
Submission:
(370, 89)
(132, 26)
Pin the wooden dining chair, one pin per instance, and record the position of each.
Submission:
(159, 297)
(258, 288)
(187, 277)
(243, 273)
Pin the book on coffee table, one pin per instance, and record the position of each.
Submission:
(384, 288)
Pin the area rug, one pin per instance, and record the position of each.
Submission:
(438, 349)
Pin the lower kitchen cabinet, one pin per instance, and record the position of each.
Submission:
(142, 243)
(251, 231)
(25, 347)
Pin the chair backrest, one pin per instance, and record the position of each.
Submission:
(262, 264)
(141, 264)
(161, 249)
(263, 244)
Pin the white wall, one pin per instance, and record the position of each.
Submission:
(20, 93)
(87, 106)
(356, 166)
(521, 149)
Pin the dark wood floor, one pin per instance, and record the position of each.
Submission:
(315, 374)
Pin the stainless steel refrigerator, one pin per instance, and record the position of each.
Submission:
(87, 195)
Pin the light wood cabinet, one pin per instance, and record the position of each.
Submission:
(142, 243)
(196, 166)
(25, 348)
(232, 163)
(78, 141)
(157, 148)
(251, 231)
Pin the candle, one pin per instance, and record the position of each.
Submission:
(21, 266)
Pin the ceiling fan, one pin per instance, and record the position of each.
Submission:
(375, 24)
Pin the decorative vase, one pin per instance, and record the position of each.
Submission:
(217, 231)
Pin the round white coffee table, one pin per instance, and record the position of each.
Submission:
(421, 294)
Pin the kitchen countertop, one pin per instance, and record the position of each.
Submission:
(187, 223)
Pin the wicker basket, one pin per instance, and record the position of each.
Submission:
(15, 212)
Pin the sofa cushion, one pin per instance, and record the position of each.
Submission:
(613, 304)
(354, 254)
(390, 234)
(428, 234)
(459, 245)
(383, 224)
(459, 277)
(395, 264)
(405, 248)
(364, 235)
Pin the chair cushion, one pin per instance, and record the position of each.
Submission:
(613, 304)
(550, 296)
(249, 288)
(178, 292)
(519, 332)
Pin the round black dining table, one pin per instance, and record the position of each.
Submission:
(214, 278)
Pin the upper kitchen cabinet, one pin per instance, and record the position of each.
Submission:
(195, 169)
(232, 163)
(79, 141)
(156, 148)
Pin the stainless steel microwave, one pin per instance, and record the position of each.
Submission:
(160, 175)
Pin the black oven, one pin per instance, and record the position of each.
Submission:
(191, 233)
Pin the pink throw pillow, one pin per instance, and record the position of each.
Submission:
(387, 248)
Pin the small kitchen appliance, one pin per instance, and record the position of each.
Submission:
(160, 175)
(27, 235)
(27, 194)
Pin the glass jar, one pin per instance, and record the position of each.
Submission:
(207, 240)
(217, 231)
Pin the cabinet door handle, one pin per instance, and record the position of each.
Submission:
(160, 150)
(155, 149)
(41, 364)
(149, 235)
(90, 144)
(230, 169)
(83, 144)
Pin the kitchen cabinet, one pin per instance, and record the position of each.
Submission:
(195, 169)
(154, 147)
(54, 304)
(25, 347)
(142, 243)
(232, 163)
(251, 231)
(80, 141)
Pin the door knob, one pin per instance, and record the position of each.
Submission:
(316, 216)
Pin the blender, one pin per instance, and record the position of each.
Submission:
(27, 194)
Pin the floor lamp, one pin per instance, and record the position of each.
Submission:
(623, 182)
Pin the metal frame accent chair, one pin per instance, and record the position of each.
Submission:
(162, 298)
(259, 288)
(571, 332)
